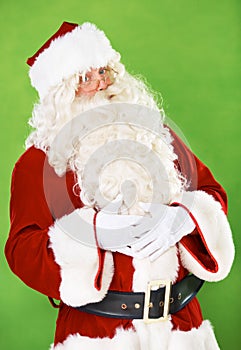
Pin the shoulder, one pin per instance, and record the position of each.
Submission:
(31, 157)
(30, 164)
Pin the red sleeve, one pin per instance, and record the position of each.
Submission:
(198, 175)
(38, 196)
(199, 178)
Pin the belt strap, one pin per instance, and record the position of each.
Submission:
(127, 305)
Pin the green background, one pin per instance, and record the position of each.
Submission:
(189, 50)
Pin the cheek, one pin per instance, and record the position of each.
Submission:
(81, 92)
(109, 81)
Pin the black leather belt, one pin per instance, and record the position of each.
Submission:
(151, 306)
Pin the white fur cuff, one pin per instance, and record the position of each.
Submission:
(73, 243)
(215, 232)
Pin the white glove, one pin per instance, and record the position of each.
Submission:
(116, 231)
(173, 223)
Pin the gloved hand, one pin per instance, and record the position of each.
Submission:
(116, 231)
(172, 223)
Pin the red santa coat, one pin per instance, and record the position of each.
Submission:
(53, 263)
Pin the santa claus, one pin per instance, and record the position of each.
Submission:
(111, 213)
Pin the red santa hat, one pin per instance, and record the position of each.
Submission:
(72, 49)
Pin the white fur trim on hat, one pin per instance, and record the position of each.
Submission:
(83, 48)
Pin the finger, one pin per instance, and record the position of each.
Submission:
(114, 221)
(149, 249)
(156, 254)
(144, 225)
(114, 206)
(140, 243)
(114, 239)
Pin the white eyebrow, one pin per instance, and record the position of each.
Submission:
(83, 76)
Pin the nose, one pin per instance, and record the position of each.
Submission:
(102, 85)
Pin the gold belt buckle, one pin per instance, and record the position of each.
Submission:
(147, 303)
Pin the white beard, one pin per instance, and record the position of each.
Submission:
(104, 167)
(137, 181)
(140, 180)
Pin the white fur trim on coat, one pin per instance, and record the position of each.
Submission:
(201, 338)
(165, 267)
(77, 51)
(214, 229)
(156, 336)
(124, 339)
(73, 243)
